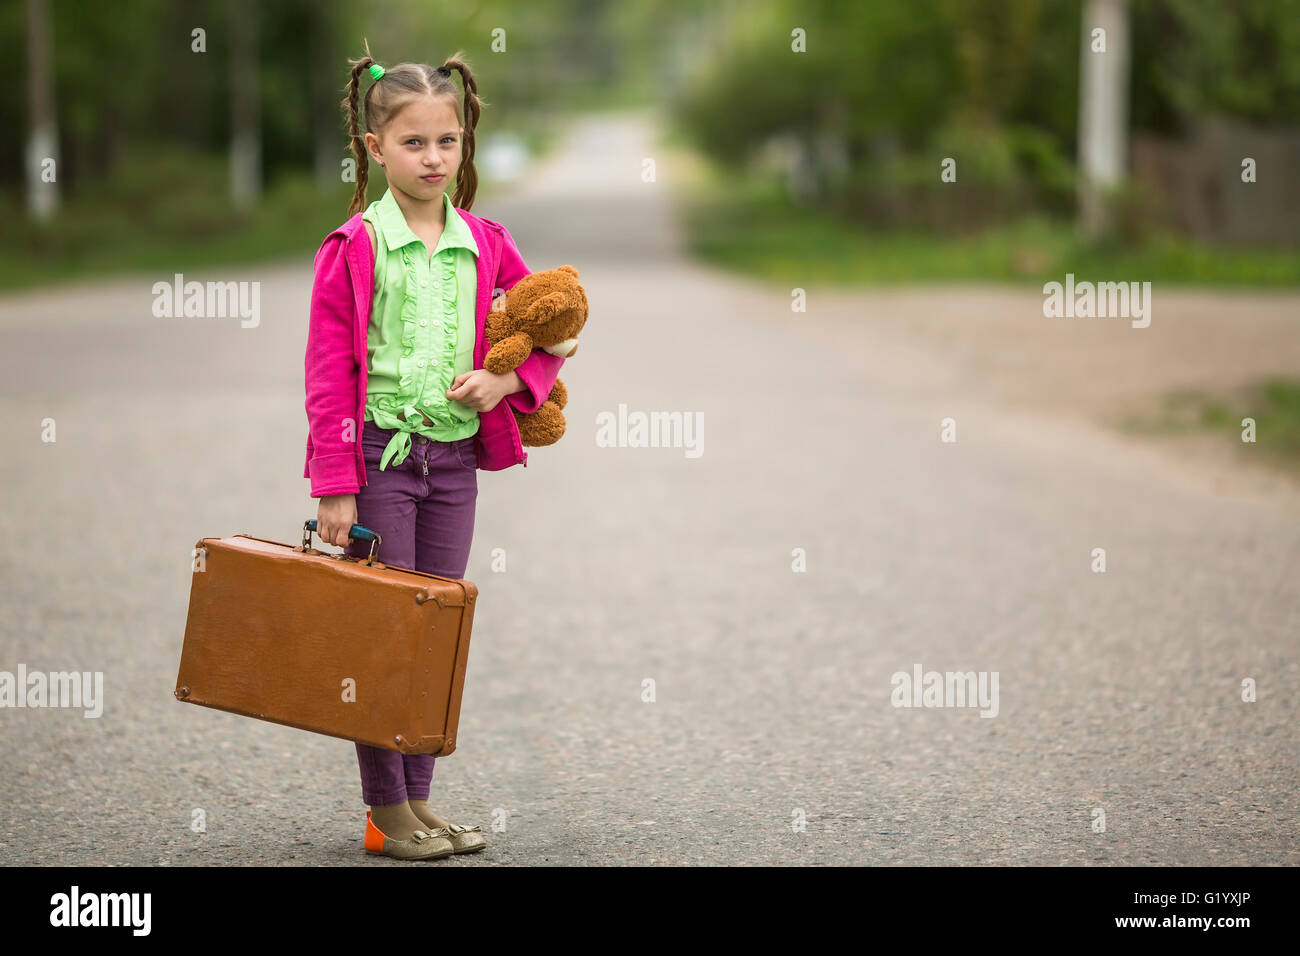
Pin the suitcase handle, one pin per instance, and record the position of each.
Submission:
(356, 531)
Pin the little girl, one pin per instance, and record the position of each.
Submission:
(401, 412)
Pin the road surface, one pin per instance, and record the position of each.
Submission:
(824, 540)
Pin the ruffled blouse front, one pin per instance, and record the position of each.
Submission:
(422, 329)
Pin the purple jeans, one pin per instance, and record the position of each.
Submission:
(423, 509)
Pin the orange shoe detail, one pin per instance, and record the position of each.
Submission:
(374, 836)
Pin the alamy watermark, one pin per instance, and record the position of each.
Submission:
(947, 689)
(1128, 300)
(208, 300)
(56, 689)
(102, 909)
(651, 430)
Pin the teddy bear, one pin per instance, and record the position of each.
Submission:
(543, 310)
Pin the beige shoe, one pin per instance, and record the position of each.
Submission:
(422, 845)
(464, 839)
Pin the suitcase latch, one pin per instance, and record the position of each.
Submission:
(422, 596)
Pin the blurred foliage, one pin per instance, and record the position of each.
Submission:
(145, 122)
(894, 87)
(751, 226)
(1206, 56)
(886, 91)
(128, 223)
(126, 70)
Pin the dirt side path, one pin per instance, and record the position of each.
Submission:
(994, 342)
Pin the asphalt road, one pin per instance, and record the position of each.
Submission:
(1118, 691)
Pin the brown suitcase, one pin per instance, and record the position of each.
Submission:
(276, 631)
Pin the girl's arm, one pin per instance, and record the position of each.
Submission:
(538, 373)
(540, 370)
(331, 375)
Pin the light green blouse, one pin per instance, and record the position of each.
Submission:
(421, 332)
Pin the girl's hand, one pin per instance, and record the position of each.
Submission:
(335, 516)
(481, 390)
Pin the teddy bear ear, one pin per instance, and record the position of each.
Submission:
(569, 269)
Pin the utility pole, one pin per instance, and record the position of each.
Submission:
(43, 133)
(1103, 110)
(245, 132)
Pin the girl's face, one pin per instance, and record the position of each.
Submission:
(421, 147)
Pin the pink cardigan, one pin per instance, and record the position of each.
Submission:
(335, 363)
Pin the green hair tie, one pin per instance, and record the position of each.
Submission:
(376, 70)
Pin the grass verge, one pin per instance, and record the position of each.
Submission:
(1273, 406)
(748, 225)
(167, 210)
